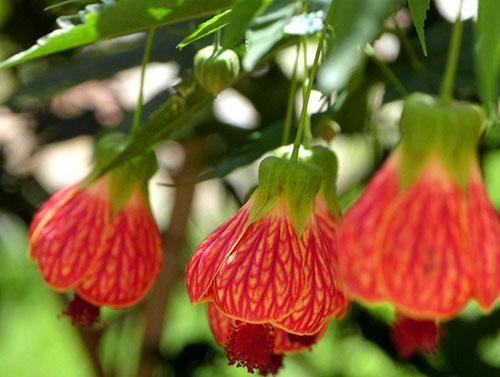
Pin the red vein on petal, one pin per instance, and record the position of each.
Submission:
(423, 252)
(67, 233)
(316, 304)
(261, 280)
(220, 324)
(290, 343)
(328, 227)
(130, 259)
(357, 262)
(483, 229)
(211, 253)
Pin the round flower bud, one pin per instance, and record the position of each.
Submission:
(216, 69)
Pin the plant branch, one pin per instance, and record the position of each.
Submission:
(174, 238)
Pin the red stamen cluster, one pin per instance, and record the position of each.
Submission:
(251, 346)
(411, 336)
(82, 313)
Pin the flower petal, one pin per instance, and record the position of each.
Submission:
(315, 306)
(483, 229)
(357, 262)
(220, 324)
(66, 233)
(262, 279)
(211, 253)
(290, 343)
(423, 251)
(130, 259)
(328, 227)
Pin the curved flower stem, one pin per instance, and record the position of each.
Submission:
(446, 91)
(307, 136)
(291, 101)
(145, 60)
(310, 80)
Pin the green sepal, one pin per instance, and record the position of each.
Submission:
(297, 182)
(431, 127)
(326, 160)
(134, 174)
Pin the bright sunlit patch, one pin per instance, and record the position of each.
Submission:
(159, 76)
(450, 9)
(233, 108)
(61, 164)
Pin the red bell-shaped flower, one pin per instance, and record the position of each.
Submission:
(424, 234)
(271, 266)
(99, 237)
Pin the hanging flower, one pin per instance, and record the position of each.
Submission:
(271, 266)
(424, 234)
(99, 237)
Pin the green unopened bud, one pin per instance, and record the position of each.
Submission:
(216, 69)
(297, 182)
(431, 127)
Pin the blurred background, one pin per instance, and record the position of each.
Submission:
(52, 110)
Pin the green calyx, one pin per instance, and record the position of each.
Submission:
(449, 130)
(327, 161)
(216, 69)
(134, 174)
(296, 181)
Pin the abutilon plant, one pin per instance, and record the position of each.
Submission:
(424, 235)
(98, 237)
(268, 273)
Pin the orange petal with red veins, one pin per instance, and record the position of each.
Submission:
(315, 306)
(423, 252)
(483, 229)
(327, 224)
(262, 280)
(130, 258)
(220, 324)
(357, 262)
(211, 253)
(66, 233)
(290, 343)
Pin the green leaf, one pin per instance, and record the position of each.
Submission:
(206, 28)
(184, 109)
(355, 23)
(259, 143)
(418, 10)
(112, 19)
(488, 51)
(242, 15)
(267, 30)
